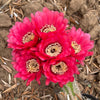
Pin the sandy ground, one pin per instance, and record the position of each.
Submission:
(83, 13)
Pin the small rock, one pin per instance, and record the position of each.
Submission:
(75, 5)
(5, 21)
(3, 1)
(82, 76)
(3, 34)
(90, 19)
(98, 6)
(31, 8)
(4, 50)
(62, 2)
(98, 44)
(84, 9)
(48, 5)
(95, 31)
(87, 77)
(98, 60)
(90, 77)
(91, 2)
(98, 77)
(2, 43)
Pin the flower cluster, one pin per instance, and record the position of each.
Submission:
(44, 46)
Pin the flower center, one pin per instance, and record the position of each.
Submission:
(59, 68)
(28, 37)
(53, 49)
(32, 66)
(76, 47)
(48, 28)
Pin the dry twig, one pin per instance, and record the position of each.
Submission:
(0, 95)
(5, 83)
(5, 4)
(96, 66)
(6, 68)
(45, 96)
(2, 60)
(6, 59)
(12, 87)
(9, 79)
(78, 97)
(26, 92)
(56, 97)
(72, 20)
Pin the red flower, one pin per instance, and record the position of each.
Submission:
(80, 43)
(49, 21)
(60, 71)
(53, 46)
(22, 35)
(28, 66)
(46, 38)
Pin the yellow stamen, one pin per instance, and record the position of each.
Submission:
(32, 66)
(53, 49)
(59, 68)
(48, 28)
(76, 46)
(28, 37)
